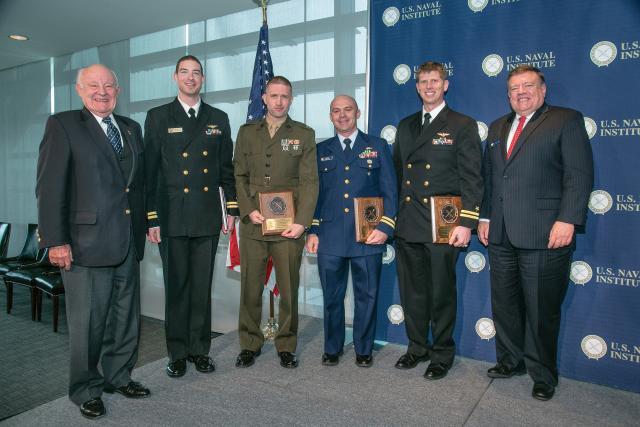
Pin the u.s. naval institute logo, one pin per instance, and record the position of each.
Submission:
(483, 130)
(390, 16)
(593, 347)
(475, 261)
(485, 328)
(402, 74)
(600, 202)
(580, 273)
(389, 255)
(603, 53)
(492, 65)
(389, 133)
(395, 314)
(590, 126)
(477, 5)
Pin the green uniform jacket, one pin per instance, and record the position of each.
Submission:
(286, 162)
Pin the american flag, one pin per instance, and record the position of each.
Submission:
(262, 72)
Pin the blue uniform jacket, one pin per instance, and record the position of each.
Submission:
(367, 172)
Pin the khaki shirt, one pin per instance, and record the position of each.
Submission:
(286, 162)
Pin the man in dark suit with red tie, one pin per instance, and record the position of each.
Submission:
(437, 152)
(188, 156)
(538, 171)
(90, 191)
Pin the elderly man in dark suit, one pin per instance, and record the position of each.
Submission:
(437, 152)
(188, 157)
(538, 171)
(91, 217)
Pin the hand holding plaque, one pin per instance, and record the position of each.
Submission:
(278, 211)
(445, 216)
(368, 211)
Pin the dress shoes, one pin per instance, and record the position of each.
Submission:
(364, 361)
(202, 363)
(331, 359)
(92, 409)
(409, 361)
(542, 391)
(246, 358)
(133, 390)
(436, 371)
(177, 368)
(288, 359)
(503, 371)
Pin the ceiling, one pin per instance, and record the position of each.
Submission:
(58, 27)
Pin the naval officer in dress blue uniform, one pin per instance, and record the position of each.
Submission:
(351, 164)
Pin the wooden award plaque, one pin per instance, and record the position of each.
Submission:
(445, 216)
(368, 211)
(278, 211)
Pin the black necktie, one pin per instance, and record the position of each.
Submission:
(427, 117)
(347, 146)
(192, 114)
(113, 135)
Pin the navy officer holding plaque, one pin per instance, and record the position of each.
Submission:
(437, 152)
(351, 165)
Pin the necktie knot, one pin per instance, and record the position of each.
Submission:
(425, 122)
(516, 135)
(347, 145)
(192, 113)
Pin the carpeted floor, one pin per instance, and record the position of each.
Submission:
(267, 394)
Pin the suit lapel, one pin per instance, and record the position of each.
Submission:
(100, 140)
(127, 135)
(537, 119)
(437, 124)
(504, 135)
(179, 117)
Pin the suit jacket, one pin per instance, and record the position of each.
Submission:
(285, 162)
(445, 159)
(366, 172)
(84, 198)
(547, 178)
(185, 164)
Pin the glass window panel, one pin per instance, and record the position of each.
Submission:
(361, 5)
(230, 72)
(361, 50)
(319, 62)
(318, 9)
(152, 84)
(234, 24)
(158, 42)
(237, 112)
(317, 113)
(287, 61)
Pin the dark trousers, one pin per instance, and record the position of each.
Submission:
(527, 290)
(427, 281)
(334, 275)
(187, 264)
(103, 314)
(286, 255)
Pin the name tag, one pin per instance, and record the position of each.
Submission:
(174, 130)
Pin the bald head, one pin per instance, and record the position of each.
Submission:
(98, 88)
(344, 114)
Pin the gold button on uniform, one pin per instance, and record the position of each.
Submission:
(409, 166)
(205, 153)
(346, 168)
(426, 183)
(427, 166)
(206, 189)
(346, 181)
(426, 201)
(205, 170)
(408, 182)
(346, 195)
(346, 210)
(127, 211)
(185, 154)
(407, 199)
(126, 190)
(185, 172)
(186, 190)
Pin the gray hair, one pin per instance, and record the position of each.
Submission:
(81, 72)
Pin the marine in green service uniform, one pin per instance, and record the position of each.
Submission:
(275, 154)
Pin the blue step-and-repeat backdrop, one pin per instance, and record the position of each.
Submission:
(589, 52)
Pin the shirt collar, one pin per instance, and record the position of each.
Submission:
(186, 106)
(352, 137)
(435, 111)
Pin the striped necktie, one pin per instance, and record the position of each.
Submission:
(113, 135)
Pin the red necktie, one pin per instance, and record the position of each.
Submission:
(516, 135)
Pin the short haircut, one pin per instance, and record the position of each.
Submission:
(279, 80)
(81, 73)
(429, 66)
(525, 68)
(189, 58)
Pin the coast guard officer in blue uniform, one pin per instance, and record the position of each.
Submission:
(351, 164)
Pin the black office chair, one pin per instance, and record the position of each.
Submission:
(50, 284)
(25, 276)
(5, 233)
(28, 255)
